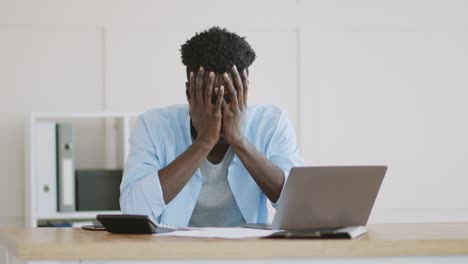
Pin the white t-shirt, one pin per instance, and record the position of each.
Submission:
(216, 205)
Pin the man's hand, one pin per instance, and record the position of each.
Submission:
(206, 117)
(269, 177)
(234, 112)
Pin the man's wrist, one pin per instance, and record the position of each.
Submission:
(203, 144)
(240, 144)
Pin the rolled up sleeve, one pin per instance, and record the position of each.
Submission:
(140, 190)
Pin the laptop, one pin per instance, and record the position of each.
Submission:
(327, 198)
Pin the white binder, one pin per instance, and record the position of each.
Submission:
(46, 169)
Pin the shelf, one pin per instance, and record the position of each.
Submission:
(76, 215)
(102, 134)
(45, 115)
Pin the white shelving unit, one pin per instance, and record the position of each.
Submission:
(117, 126)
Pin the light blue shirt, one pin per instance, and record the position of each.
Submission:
(162, 135)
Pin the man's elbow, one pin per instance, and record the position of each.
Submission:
(125, 207)
(133, 201)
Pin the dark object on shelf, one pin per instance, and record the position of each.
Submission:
(98, 190)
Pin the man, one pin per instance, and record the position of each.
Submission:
(216, 161)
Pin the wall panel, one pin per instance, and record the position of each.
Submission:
(391, 90)
(390, 98)
(42, 70)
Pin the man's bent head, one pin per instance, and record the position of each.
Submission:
(217, 50)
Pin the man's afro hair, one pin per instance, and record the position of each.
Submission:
(217, 49)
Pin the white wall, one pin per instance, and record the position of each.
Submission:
(365, 82)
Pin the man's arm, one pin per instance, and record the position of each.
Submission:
(266, 174)
(207, 119)
(175, 176)
(269, 177)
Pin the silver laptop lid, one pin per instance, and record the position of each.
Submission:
(328, 197)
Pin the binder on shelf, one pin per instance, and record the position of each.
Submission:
(46, 168)
(65, 168)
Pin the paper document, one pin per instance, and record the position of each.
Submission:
(221, 232)
(240, 233)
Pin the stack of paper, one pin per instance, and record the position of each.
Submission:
(221, 232)
(240, 233)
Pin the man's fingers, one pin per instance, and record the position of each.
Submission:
(239, 87)
(209, 90)
(226, 108)
(245, 82)
(231, 90)
(219, 99)
(193, 98)
(190, 88)
(199, 85)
